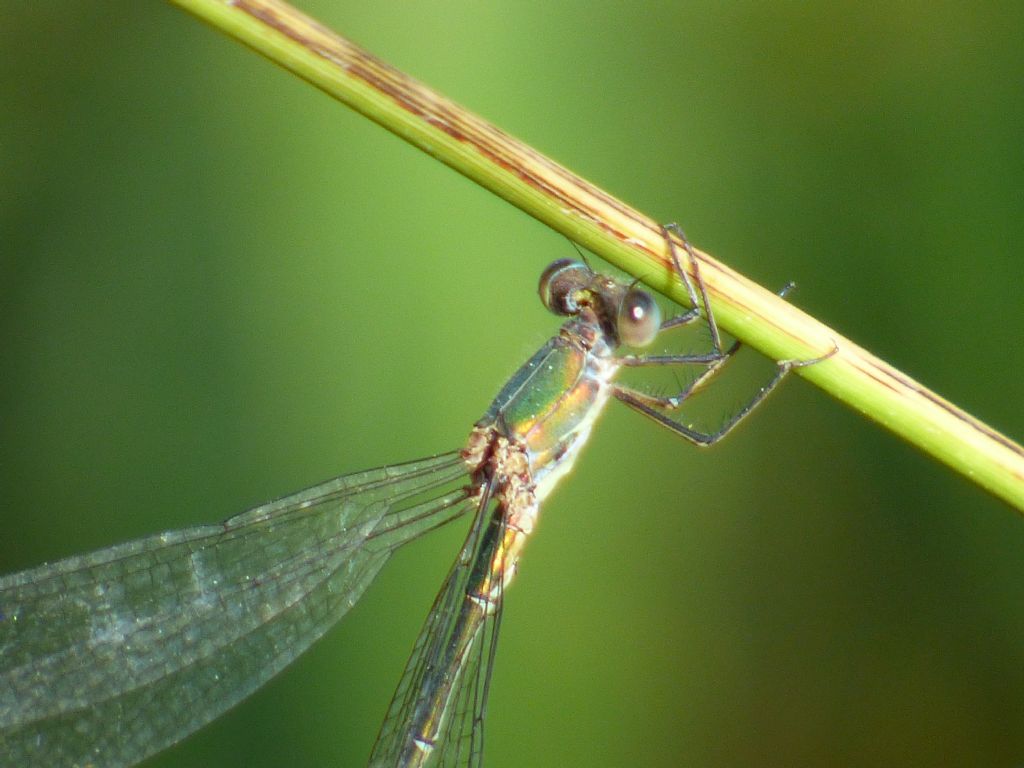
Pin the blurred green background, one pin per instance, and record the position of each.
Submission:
(218, 286)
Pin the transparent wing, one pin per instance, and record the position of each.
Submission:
(108, 657)
(460, 739)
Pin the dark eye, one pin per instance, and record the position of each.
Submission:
(559, 284)
(639, 318)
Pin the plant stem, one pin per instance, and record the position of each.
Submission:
(615, 231)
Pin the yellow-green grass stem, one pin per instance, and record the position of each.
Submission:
(617, 232)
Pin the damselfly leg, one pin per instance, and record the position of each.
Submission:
(662, 408)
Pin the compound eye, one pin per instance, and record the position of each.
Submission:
(639, 318)
(560, 284)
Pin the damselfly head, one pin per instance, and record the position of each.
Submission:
(626, 313)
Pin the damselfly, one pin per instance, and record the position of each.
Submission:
(109, 657)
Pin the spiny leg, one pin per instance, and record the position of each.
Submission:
(714, 360)
(695, 289)
(649, 405)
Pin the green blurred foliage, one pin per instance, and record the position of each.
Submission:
(218, 286)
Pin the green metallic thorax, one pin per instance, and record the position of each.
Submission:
(551, 402)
